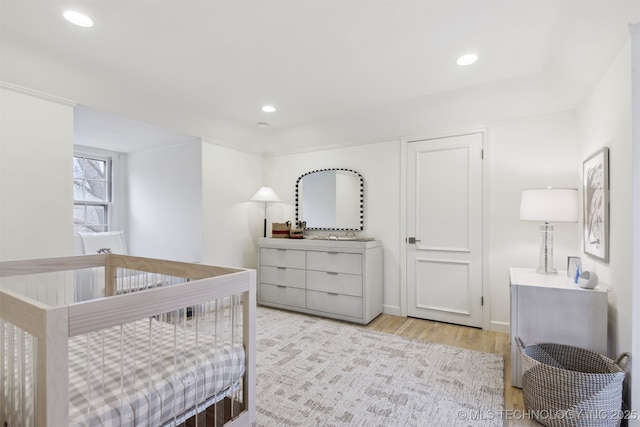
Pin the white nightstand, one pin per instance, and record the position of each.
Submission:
(552, 308)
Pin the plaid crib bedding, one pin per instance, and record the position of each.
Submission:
(147, 373)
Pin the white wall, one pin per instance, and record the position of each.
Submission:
(474, 106)
(36, 176)
(165, 206)
(523, 154)
(379, 164)
(604, 119)
(231, 224)
(191, 203)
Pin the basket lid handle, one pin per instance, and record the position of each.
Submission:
(520, 343)
(627, 363)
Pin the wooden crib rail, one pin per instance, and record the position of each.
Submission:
(170, 268)
(51, 265)
(111, 264)
(25, 313)
(89, 316)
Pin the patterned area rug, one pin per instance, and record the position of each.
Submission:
(318, 372)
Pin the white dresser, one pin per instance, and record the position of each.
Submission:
(338, 279)
(552, 308)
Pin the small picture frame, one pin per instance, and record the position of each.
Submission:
(573, 265)
(595, 174)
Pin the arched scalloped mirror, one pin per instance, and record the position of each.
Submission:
(331, 199)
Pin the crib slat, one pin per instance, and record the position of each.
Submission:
(110, 272)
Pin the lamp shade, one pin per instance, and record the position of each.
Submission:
(265, 194)
(549, 205)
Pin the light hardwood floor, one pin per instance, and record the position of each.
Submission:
(465, 337)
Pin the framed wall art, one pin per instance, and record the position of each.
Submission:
(595, 175)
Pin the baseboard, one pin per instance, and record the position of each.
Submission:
(494, 326)
(503, 327)
(391, 309)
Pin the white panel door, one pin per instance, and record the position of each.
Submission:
(444, 216)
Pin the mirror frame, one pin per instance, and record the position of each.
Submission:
(358, 175)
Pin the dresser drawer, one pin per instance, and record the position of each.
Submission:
(347, 284)
(282, 257)
(292, 277)
(283, 295)
(337, 262)
(343, 305)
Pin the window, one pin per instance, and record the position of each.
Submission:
(91, 193)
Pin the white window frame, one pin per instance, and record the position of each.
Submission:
(112, 161)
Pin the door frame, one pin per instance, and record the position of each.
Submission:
(635, 186)
(486, 290)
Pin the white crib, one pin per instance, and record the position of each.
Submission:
(127, 355)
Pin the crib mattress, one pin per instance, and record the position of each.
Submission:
(140, 378)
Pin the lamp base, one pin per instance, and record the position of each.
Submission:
(545, 258)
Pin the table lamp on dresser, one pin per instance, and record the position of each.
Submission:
(548, 205)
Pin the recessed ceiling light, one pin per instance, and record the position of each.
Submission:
(467, 59)
(78, 18)
(268, 108)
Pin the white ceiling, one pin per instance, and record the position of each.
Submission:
(337, 71)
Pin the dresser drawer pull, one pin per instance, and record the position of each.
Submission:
(280, 249)
(332, 253)
(281, 286)
(332, 272)
(281, 268)
(332, 293)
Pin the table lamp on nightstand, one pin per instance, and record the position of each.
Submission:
(548, 205)
(266, 195)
